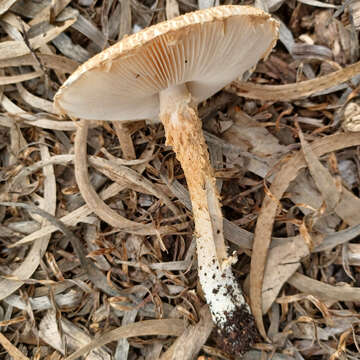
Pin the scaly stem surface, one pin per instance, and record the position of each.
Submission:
(184, 133)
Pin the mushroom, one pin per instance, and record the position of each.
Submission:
(164, 72)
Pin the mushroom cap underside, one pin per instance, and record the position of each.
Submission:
(206, 49)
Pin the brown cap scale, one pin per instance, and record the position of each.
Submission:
(163, 72)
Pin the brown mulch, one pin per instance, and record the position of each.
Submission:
(120, 282)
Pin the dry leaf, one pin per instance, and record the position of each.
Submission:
(282, 262)
(266, 217)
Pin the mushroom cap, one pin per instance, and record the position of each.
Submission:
(205, 49)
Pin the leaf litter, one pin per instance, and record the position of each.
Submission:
(104, 266)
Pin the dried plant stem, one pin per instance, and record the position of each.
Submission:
(184, 134)
(11, 349)
(88, 192)
(124, 135)
(293, 91)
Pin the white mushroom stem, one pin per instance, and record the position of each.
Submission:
(184, 133)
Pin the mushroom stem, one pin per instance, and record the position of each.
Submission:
(184, 133)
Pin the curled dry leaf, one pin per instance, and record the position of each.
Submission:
(352, 255)
(81, 214)
(165, 327)
(282, 261)
(71, 336)
(338, 238)
(293, 91)
(32, 261)
(42, 302)
(134, 178)
(268, 210)
(7, 80)
(188, 345)
(93, 272)
(88, 192)
(317, 3)
(56, 62)
(342, 201)
(324, 291)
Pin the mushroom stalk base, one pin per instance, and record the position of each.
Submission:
(184, 133)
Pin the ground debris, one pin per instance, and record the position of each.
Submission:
(119, 279)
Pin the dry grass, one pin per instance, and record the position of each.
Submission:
(109, 270)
